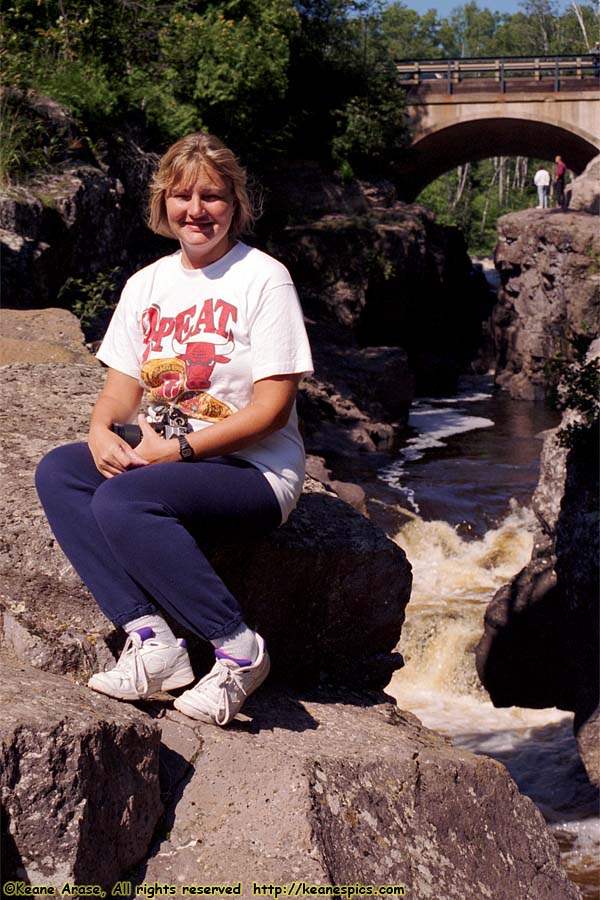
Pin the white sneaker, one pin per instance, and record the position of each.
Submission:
(145, 666)
(220, 695)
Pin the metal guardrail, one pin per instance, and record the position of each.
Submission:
(502, 69)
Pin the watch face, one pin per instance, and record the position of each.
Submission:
(185, 451)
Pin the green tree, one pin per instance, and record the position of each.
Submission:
(226, 66)
(469, 32)
(344, 93)
(410, 35)
(541, 23)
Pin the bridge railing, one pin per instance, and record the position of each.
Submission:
(556, 69)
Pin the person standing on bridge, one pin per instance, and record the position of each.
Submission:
(215, 334)
(541, 179)
(560, 170)
(595, 53)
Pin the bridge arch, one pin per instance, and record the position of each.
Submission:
(463, 110)
(441, 148)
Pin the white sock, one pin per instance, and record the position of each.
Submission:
(240, 644)
(158, 625)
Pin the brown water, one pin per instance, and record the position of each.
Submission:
(464, 481)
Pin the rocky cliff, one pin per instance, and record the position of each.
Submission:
(549, 265)
(540, 644)
(373, 271)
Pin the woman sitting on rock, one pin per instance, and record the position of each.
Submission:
(215, 334)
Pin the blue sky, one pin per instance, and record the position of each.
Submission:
(444, 7)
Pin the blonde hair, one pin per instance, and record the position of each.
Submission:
(184, 163)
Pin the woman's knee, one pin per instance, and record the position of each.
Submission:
(117, 508)
(58, 467)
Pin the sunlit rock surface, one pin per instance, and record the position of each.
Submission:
(549, 264)
(343, 788)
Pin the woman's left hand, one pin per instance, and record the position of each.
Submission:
(153, 448)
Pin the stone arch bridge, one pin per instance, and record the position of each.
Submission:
(465, 110)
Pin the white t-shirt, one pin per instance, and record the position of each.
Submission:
(198, 339)
(541, 178)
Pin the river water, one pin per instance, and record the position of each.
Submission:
(456, 497)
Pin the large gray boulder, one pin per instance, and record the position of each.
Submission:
(79, 781)
(339, 788)
(584, 192)
(42, 335)
(327, 590)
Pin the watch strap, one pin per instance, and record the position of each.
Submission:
(185, 450)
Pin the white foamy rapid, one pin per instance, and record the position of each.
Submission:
(454, 579)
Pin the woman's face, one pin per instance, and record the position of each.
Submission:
(199, 215)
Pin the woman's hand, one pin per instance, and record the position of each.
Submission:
(153, 448)
(111, 453)
(119, 401)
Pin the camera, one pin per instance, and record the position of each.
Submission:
(172, 422)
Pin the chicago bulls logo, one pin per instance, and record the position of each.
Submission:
(200, 358)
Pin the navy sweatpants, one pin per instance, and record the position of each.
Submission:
(134, 539)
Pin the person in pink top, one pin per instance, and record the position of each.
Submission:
(560, 170)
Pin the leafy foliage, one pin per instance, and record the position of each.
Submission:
(575, 385)
(271, 75)
(92, 300)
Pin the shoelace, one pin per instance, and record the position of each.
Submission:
(223, 674)
(131, 663)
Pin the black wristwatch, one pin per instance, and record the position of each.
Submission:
(185, 451)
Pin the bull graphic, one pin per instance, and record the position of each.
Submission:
(200, 358)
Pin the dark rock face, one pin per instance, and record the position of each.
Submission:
(578, 579)
(86, 216)
(71, 225)
(350, 493)
(328, 590)
(405, 808)
(79, 781)
(541, 640)
(358, 401)
(549, 264)
(365, 261)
